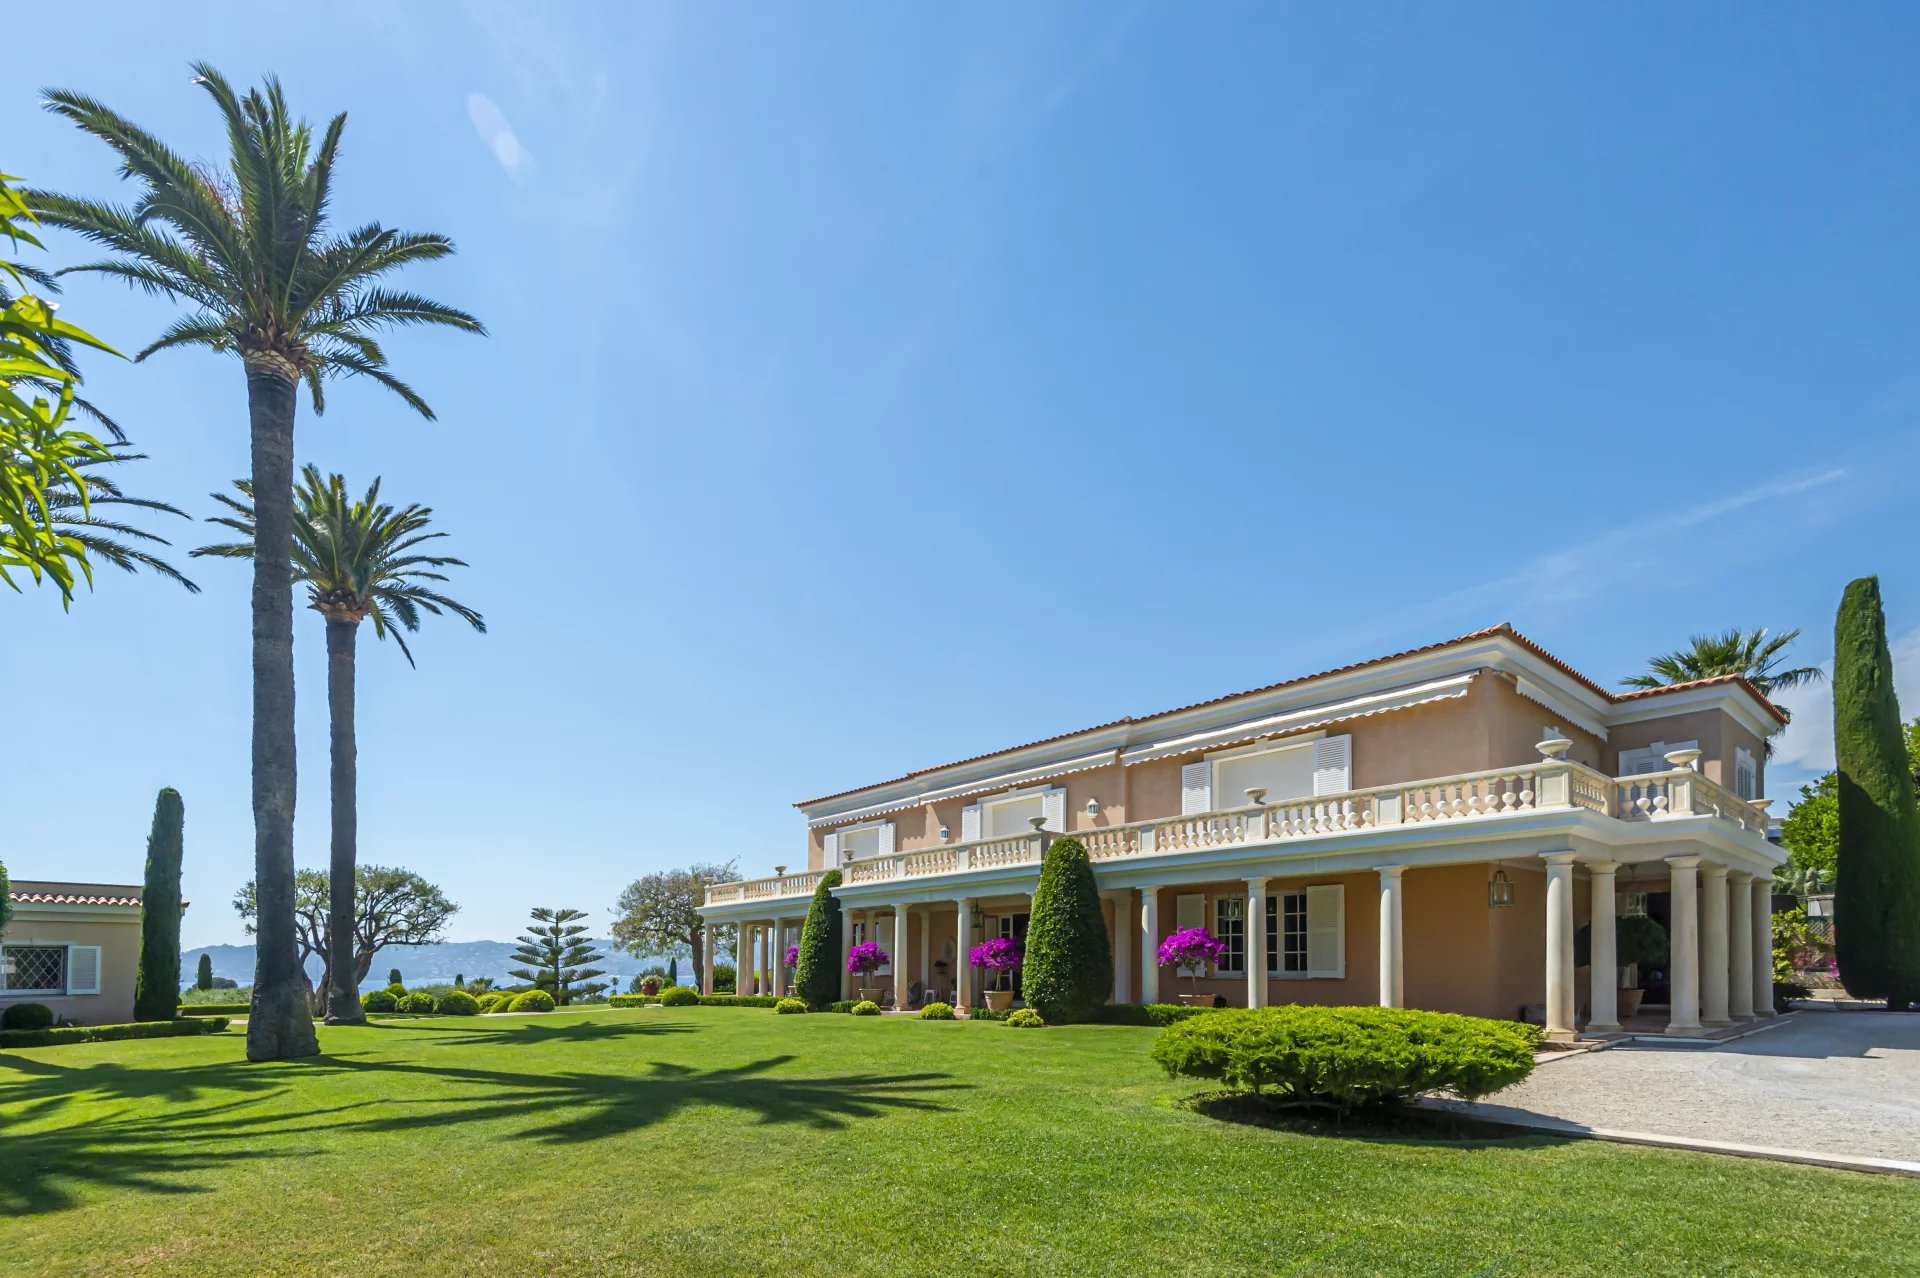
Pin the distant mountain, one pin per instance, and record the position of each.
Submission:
(421, 964)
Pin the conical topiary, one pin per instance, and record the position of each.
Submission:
(817, 978)
(1876, 907)
(203, 978)
(156, 993)
(1069, 953)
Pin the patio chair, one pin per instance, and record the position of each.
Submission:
(886, 997)
(916, 995)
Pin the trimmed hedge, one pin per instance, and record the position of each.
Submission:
(632, 1000)
(790, 1007)
(1162, 1014)
(531, 1001)
(679, 996)
(865, 1007)
(379, 1001)
(214, 1009)
(981, 1012)
(184, 1027)
(457, 1003)
(26, 1016)
(937, 1012)
(816, 978)
(417, 1004)
(738, 1000)
(1346, 1056)
(495, 1003)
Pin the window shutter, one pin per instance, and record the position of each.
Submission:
(1196, 791)
(970, 823)
(830, 847)
(83, 969)
(1053, 805)
(1745, 782)
(1327, 931)
(886, 838)
(1190, 910)
(1333, 765)
(883, 936)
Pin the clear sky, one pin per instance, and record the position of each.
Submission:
(871, 387)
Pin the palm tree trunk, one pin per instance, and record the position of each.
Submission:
(343, 994)
(279, 1026)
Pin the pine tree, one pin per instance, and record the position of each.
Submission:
(1876, 908)
(554, 957)
(817, 978)
(156, 995)
(203, 979)
(1068, 970)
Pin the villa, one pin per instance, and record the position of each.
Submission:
(1454, 827)
(74, 947)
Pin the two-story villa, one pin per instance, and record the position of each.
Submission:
(1453, 827)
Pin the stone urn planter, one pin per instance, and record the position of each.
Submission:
(1199, 1000)
(999, 1000)
(1630, 1001)
(871, 995)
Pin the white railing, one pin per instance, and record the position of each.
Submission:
(1553, 784)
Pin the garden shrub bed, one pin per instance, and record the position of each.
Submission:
(181, 1027)
(214, 1009)
(1347, 1056)
(1161, 1014)
(632, 1000)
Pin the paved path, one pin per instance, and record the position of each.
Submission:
(1833, 1082)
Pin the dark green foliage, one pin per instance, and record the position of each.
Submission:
(725, 976)
(459, 981)
(6, 901)
(937, 1012)
(556, 955)
(501, 1002)
(156, 993)
(1142, 1013)
(26, 1016)
(1025, 1018)
(981, 1012)
(531, 1001)
(1876, 906)
(213, 1009)
(379, 1001)
(457, 1003)
(865, 1007)
(417, 1004)
(1639, 939)
(737, 1000)
(1069, 955)
(839, 1005)
(790, 1007)
(393, 977)
(1346, 1056)
(632, 1000)
(679, 996)
(1784, 990)
(203, 978)
(186, 1026)
(816, 979)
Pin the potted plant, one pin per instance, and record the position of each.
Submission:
(863, 960)
(1639, 941)
(793, 959)
(1194, 948)
(1001, 954)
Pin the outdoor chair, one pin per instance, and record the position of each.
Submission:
(916, 995)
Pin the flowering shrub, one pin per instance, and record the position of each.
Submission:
(937, 1012)
(1025, 1018)
(1191, 947)
(865, 1007)
(793, 956)
(865, 959)
(1001, 954)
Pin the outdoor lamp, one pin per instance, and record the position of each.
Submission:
(1500, 891)
(979, 926)
(945, 834)
(1093, 807)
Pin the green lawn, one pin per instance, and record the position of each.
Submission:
(726, 1141)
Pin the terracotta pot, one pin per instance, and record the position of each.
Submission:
(1630, 1001)
(999, 1000)
(1197, 1000)
(872, 996)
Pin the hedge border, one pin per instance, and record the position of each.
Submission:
(181, 1027)
(215, 1009)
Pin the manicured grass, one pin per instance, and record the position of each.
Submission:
(732, 1141)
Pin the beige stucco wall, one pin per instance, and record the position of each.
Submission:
(1718, 733)
(117, 935)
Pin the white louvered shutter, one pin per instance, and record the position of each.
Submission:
(886, 838)
(830, 847)
(883, 935)
(970, 823)
(1190, 910)
(1196, 789)
(1327, 930)
(83, 969)
(1746, 783)
(1333, 765)
(1053, 805)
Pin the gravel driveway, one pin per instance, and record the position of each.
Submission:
(1831, 1082)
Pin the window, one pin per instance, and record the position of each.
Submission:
(1306, 932)
(856, 842)
(1746, 778)
(1652, 758)
(1287, 933)
(1010, 815)
(1220, 781)
(1230, 926)
(33, 968)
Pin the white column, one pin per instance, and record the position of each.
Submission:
(706, 956)
(1762, 904)
(1393, 962)
(1603, 977)
(1683, 946)
(745, 961)
(962, 946)
(1739, 946)
(1560, 1000)
(848, 987)
(1255, 928)
(1116, 942)
(1149, 942)
(901, 972)
(926, 950)
(1713, 948)
(779, 977)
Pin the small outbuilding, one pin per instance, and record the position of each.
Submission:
(74, 947)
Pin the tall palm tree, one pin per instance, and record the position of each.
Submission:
(104, 532)
(358, 560)
(251, 249)
(1752, 653)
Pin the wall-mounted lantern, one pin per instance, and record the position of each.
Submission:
(1500, 891)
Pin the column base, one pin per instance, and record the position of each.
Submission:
(1694, 1030)
(1602, 1027)
(1716, 1022)
(1561, 1036)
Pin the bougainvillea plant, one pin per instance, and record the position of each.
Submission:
(866, 958)
(793, 956)
(1193, 948)
(1001, 954)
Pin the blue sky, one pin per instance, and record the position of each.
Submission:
(871, 387)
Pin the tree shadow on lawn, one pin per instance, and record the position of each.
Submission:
(531, 1033)
(1383, 1124)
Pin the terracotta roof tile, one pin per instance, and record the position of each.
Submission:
(69, 898)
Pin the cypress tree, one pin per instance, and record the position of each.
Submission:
(156, 995)
(1876, 908)
(6, 901)
(1069, 955)
(203, 979)
(817, 978)
(393, 976)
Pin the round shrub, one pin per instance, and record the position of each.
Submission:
(1346, 1056)
(679, 996)
(790, 1007)
(418, 1004)
(398, 991)
(378, 1001)
(865, 1007)
(496, 1003)
(1025, 1018)
(457, 1003)
(937, 1012)
(531, 1001)
(26, 1016)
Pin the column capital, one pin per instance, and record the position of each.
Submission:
(1389, 871)
(1560, 858)
(1259, 883)
(1683, 862)
(1601, 867)
(1713, 870)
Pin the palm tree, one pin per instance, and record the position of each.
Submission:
(105, 534)
(1752, 654)
(357, 559)
(252, 251)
